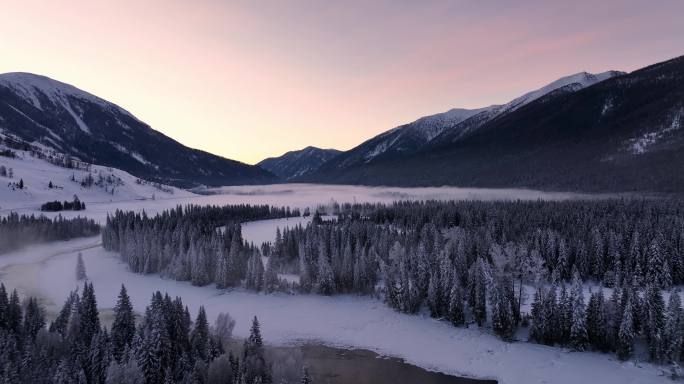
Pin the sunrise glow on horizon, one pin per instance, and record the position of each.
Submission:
(249, 80)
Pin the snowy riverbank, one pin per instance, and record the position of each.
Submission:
(349, 321)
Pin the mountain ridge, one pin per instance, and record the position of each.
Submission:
(447, 126)
(298, 163)
(36, 108)
(617, 135)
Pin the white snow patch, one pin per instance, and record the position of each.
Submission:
(81, 124)
(38, 173)
(607, 106)
(262, 231)
(643, 143)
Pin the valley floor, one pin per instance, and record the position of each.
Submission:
(347, 321)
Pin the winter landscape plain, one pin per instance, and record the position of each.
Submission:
(439, 192)
(346, 321)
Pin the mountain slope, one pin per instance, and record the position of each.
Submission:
(39, 109)
(297, 163)
(410, 138)
(620, 134)
(44, 178)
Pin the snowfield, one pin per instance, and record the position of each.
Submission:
(37, 175)
(139, 197)
(344, 321)
(263, 231)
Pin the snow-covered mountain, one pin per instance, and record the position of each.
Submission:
(297, 163)
(567, 84)
(609, 132)
(37, 109)
(448, 126)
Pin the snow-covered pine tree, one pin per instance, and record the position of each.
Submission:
(653, 321)
(673, 338)
(565, 315)
(200, 336)
(325, 282)
(625, 339)
(255, 272)
(502, 315)
(658, 268)
(550, 315)
(222, 269)
(80, 268)
(271, 280)
(89, 315)
(255, 367)
(456, 306)
(433, 295)
(578, 331)
(34, 318)
(478, 292)
(99, 358)
(123, 327)
(538, 325)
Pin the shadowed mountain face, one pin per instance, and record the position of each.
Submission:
(623, 133)
(298, 163)
(448, 126)
(41, 110)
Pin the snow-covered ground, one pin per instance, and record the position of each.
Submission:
(281, 195)
(47, 271)
(37, 174)
(262, 231)
(347, 321)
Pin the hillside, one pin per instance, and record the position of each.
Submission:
(620, 134)
(29, 178)
(298, 163)
(37, 109)
(407, 139)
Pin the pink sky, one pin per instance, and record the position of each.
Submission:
(252, 79)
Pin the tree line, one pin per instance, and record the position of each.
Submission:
(199, 244)
(20, 230)
(56, 206)
(164, 346)
(471, 262)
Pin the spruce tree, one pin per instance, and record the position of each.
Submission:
(89, 316)
(502, 315)
(625, 340)
(456, 308)
(654, 321)
(34, 319)
(14, 313)
(255, 367)
(4, 306)
(200, 336)
(673, 337)
(578, 332)
(123, 327)
(325, 282)
(478, 292)
(80, 268)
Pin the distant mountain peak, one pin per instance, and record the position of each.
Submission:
(32, 86)
(297, 163)
(581, 79)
